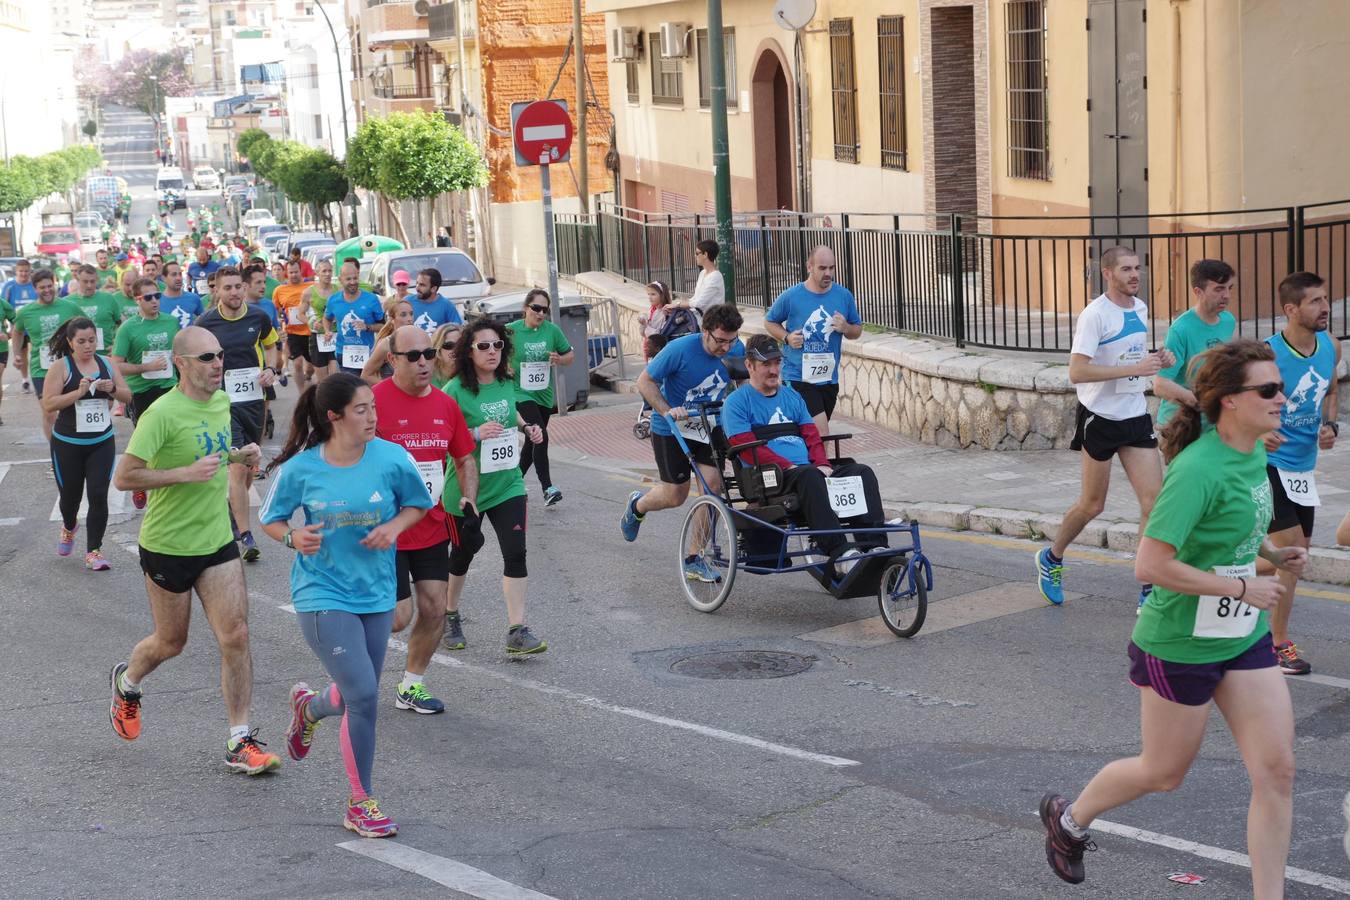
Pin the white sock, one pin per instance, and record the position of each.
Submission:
(409, 679)
(129, 686)
(1070, 825)
(237, 734)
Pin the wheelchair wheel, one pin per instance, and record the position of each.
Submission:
(709, 533)
(642, 429)
(902, 612)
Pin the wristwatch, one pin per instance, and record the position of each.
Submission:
(1333, 425)
(287, 540)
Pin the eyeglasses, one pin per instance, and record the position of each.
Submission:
(1266, 391)
(448, 347)
(542, 310)
(489, 345)
(208, 357)
(152, 296)
(413, 356)
(722, 342)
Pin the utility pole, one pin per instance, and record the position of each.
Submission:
(583, 165)
(342, 101)
(721, 154)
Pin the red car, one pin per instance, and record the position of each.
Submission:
(59, 240)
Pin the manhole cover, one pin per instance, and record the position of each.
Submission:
(742, 664)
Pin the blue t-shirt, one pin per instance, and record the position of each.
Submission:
(800, 309)
(429, 315)
(196, 273)
(18, 295)
(270, 308)
(1306, 382)
(747, 409)
(347, 313)
(688, 374)
(349, 502)
(186, 307)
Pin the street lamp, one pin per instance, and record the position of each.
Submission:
(154, 111)
(342, 100)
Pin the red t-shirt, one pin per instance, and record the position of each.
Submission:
(429, 428)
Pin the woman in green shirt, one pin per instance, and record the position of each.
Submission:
(487, 397)
(537, 346)
(443, 342)
(1204, 633)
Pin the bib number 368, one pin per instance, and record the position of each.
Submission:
(846, 496)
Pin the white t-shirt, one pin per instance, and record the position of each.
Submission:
(709, 291)
(1111, 336)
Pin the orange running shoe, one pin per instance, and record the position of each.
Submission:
(249, 757)
(125, 711)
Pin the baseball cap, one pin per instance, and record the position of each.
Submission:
(121, 257)
(401, 277)
(763, 351)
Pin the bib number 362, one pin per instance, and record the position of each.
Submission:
(1226, 617)
(500, 453)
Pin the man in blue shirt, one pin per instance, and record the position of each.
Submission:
(18, 292)
(200, 268)
(354, 315)
(430, 309)
(813, 318)
(184, 306)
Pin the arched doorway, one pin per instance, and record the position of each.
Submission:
(771, 105)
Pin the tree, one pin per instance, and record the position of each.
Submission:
(310, 175)
(245, 142)
(131, 80)
(90, 129)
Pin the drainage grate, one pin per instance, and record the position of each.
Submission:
(742, 664)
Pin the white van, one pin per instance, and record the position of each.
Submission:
(204, 178)
(169, 186)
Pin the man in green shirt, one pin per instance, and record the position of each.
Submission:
(144, 348)
(178, 453)
(1206, 323)
(39, 320)
(126, 298)
(6, 322)
(104, 309)
(105, 270)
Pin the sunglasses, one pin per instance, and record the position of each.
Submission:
(448, 347)
(1265, 391)
(542, 310)
(153, 296)
(489, 345)
(413, 356)
(208, 357)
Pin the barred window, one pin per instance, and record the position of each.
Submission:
(891, 66)
(844, 90)
(1028, 121)
(705, 66)
(631, 79)
(667, 74)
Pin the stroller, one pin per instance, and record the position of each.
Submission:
(679, 322)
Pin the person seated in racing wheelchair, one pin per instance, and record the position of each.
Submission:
(767, 409)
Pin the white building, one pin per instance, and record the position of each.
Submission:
(315, 88)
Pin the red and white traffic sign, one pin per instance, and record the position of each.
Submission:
(541, 131)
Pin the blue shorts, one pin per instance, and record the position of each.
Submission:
(1193, 684)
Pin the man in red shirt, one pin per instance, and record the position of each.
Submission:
(431, 427)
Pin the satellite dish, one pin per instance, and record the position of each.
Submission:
(794, 15)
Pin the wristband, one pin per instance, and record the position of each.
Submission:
(1244, 588)
(288, 540)
(476, 438)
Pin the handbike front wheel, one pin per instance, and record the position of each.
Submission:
(902, 611)
(709, 535)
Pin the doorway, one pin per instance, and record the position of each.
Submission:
(771, 101)
(954, 147)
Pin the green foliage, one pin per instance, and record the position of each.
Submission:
(363, 153)
(90, 129)
(310, 175)
(244, 143)
(27, 179)
(413, 156)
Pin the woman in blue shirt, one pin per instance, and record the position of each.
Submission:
(358, 493)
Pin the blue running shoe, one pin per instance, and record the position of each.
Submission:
(1144, 591)
(631, 521)
(251, 551)
(1050, 577)
(699, 570)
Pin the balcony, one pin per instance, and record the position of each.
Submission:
(387, 23)
(387, 98)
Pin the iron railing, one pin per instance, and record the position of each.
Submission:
(1022, 280)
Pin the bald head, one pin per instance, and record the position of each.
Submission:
(193, 340)
(411, 375)
(408, 337)
(820, 269)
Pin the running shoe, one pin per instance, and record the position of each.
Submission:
(521, 642)
(418, 699)
(125, 711)
(1290, 662)
(138, 499)
(94, 560)
(1144, 591)
(300, 733)
(552, 496)
(699, 570)
(67, 540)
(846, 561)
(1063, 851)
(249, 757)
(631, 521)
(251, 551)
(366, 819)
(454, 632)
(1050, 577)
(27, 386)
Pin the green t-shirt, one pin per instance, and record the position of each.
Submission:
(438, 382)
(533, 345)
(105, 310)
(494, 402)
(1215, 507)
(185, 519)
(105, 274)
(1188, 337)
(138, 335)
(130, 308)
(272, 285)
(39, 321)
(7, 315)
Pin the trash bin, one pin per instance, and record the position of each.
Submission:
(575, 316)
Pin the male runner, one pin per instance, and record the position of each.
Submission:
(1109, 365)
(103, 309)
(184, 306)
(36, 322)
(430, 425)
(106, 272)
(1307, 357)
(1206, 323)
(249, 341)
(18, 292)
(813, 318)
(175, 453)
(354, 315)
(143, 352)
(287, 300)
(201, 267)
(430, 309)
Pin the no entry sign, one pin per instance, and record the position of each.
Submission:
(541, 131)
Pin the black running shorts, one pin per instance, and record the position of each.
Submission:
(1102, 437)
(177, 574)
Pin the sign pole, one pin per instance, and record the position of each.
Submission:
(551, 250)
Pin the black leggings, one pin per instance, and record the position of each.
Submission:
(509, 520)
(536, 454)
(81, 467)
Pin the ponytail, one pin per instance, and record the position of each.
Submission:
(310, 425)
(1178, 434)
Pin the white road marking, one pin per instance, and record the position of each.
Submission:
(447, 872)
(1218, 854)
(10, 521)
(117, 501)
(1328, 680)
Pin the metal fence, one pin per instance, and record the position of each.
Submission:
(1009, 282)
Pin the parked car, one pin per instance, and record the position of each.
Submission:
(234, 186)
(255, 218)
(204, 178)
(461, 280)
(302, 240)
(90, 220)
(269, 236)
(317, 253)
(59, 240)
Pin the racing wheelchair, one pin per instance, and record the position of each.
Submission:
(754, 525)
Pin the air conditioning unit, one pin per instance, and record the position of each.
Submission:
(674, 40)
(422, 7)
(626, 42)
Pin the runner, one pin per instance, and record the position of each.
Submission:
(79, 394)
(18, 292)
(1204, 634)
(35, 323)
(322, 343)
(246, 334)
(342, 579)
(813, 318)
(354, 315)
(486, 394)
(397, 313)
(7, 316)
(430, 309)
(176, 453)
(400, 280)
(1206, 323)
(690, 370)
(184, 306)
(306, 269)
(104, 309)
(287, 298)
(430, 426)
(126, 297)
(444, 341)
(1109, 366)
(201, 267)
(106, 272)
(1308, 359)
(537, 346)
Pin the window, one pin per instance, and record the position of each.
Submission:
(705, 67)
(844, 90)
(318, 127)
(667, 74)
(891, 65)
(1028, 126)
(631, 77)
(313, 75)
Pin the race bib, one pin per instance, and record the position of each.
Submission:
(535, 376)
(354, 356)
(846, 496)
(242, 385)
(1224, 617)
(500, 453)
(44, 357)
(693, 430)
(818, 368)
(1300, 487)
(293, 316)
(200, 286)
(92, 416)
(433, 476)
(1133, 384)
(165, 361)
(99, 332)
(327, 343)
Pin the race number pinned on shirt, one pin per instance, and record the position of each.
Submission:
(92, 416)
(242, 385)
(433, 476)
(846, 496)
(293, 316)
(818, 368)
(535, 376)
(327, 343)
(44, 357)
(1134, 384)
(98, 332)
(1300, 487)
(501, 452)
(354, 356)
(201, 287)
(1225, 617)
(693, 430)
(164, 369)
